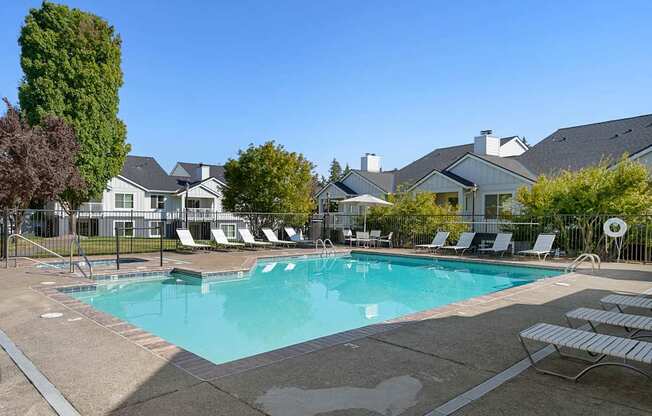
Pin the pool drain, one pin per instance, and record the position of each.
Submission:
(51, 315)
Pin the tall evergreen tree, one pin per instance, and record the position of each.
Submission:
(71, 65)
(335, 171)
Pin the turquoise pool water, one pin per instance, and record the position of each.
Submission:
(288, 301)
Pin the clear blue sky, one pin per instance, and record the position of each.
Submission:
(340, 78)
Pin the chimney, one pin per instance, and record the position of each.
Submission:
(203, 172)
(370, 163)
(487, 144)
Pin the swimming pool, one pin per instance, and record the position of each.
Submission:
(291, 300)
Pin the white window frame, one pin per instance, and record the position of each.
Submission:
(160, 200)
(153, 228)
(235, 230)
(123, 222)
(498, 206)
(115, 200)
(193, 200)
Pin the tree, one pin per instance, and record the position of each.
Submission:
(335, 171)
(586, 196)
(415, 217)
(71, 65)
(269, 179)
(347, 169)
(36, 163)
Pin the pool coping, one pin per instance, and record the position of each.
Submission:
(205, 370)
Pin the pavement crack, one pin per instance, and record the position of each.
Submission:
(492, 372)
(246, 403)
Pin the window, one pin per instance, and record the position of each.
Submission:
(497, 206)
(229, 231)
(124, 201)
(192, 203)
(124, 228)
(158, 201)
(88, 227)
(154, 228)
(453, 201)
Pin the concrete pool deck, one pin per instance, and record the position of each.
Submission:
(409, 370)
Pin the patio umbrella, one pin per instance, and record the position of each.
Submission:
(366, 201)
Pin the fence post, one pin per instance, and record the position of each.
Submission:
(133, 233)
(117, 247)
(160, 233)
(5, 237)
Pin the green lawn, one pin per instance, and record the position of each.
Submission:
(91, 245)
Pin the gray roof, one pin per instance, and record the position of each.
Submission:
(438, 159)
(146, 172)
(216, 171)
(511, 164)
(383, 180)
(345, 188)
(580, 146)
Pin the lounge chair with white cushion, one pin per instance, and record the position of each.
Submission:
(386, 239)
(463, 244)
(632, 324)
(249, 239)
(187, 241)
(627, 350)
(220, 239)
(437, 242)
(542, 247)
(294, 236)
(272, 238)
(501, 244)
(624, 301)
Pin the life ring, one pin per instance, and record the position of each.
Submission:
(622, 228)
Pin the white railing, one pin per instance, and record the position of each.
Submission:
(593, 258)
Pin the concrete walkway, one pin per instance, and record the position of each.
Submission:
(410, 370)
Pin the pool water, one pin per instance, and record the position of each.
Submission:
(284, 302)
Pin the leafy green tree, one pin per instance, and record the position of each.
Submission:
(269, 179)
(71, 65)
(335, 171)
(585, 197)
(415, 218)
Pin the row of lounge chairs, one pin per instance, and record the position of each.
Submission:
(542, 246)
(220, 240)
(626, 349)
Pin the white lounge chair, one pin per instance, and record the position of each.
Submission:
(272, 238)
(249, 239)
(437, 242)
(542, 247)
(501, 244)
(187, 241)
(374, 235)
(632, 324)
(294, 236)
(624, 301)
(386, 239)
(600, 345)
(220, 239)
(362, 237)
(463, 243)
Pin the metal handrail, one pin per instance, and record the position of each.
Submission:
(34, 244)
(328, 240)
(80, 252)
(594, 258)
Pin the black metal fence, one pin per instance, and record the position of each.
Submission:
(139, 230)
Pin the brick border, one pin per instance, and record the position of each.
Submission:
(204, 369)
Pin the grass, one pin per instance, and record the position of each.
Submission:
(90, 245)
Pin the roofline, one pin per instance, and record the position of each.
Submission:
(511, 172)
(321, 191)
(183, 189)
(432, 172)
(367, 180)
(124, 178)
(603, 122)
(640, 153)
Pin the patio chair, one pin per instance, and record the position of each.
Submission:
(187, 241)
(272, 238)
(596, 345)
(463, 244)
(249, 239)
(374, 235)
(501, 244)
(220, 239)
(624, 301)
(386, 239)
(348, 236)
(294, 236)
(632, 324)
(542, 247)
(437, 242)
(362, 237)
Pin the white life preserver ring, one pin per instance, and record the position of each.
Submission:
(622, 228)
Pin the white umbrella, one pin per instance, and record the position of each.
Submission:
(367, 201)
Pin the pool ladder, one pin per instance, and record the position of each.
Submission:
(325, 249)
(593, 258)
